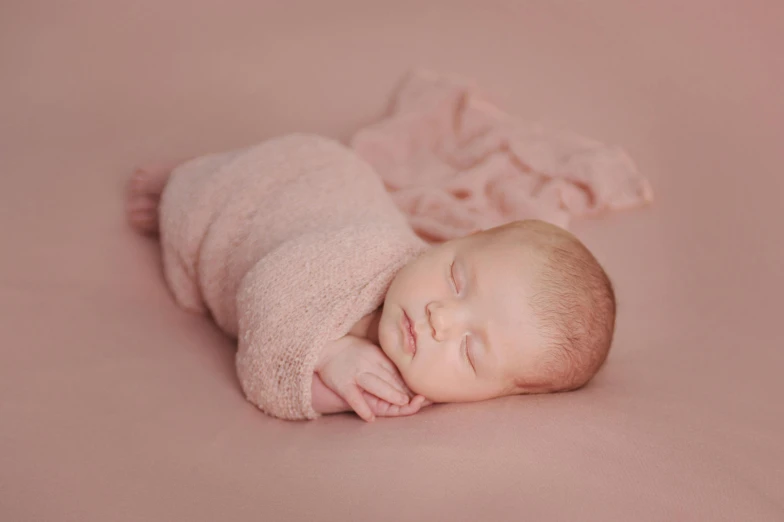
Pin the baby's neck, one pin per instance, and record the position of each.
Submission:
(367, 327)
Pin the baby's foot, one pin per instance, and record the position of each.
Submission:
(144, 195)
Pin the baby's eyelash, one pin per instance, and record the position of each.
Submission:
(452, 277)
(465, 353)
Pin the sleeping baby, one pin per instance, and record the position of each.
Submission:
(295, 249)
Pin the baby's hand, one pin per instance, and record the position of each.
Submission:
(326, 401)
(382, 408)
(359, 372)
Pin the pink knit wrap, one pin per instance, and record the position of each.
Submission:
(287, 245)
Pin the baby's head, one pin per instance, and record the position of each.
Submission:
(522, 308)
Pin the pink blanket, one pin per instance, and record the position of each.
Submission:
(454, 163)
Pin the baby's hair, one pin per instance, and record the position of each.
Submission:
(573, 301)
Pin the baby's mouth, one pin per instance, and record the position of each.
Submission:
(410, 335)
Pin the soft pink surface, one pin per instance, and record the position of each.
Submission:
(116, 405)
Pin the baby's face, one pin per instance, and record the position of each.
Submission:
(457, 324)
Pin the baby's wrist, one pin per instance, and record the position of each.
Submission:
(330, 349)
(324, 400)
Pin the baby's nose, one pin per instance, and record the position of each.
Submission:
(442, 320)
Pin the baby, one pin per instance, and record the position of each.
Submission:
(518, 309)
(521, 308)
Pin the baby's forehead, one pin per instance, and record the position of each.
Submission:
(506, 272)
(504, 258)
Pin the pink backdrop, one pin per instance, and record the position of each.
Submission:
(115, 405)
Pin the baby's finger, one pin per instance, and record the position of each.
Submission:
(394, 378)
(390, 367)
(423, 400)
(353, 396)
(379, 407)
(387, 364)
(381, 388)
(403, 411)
(416, 404)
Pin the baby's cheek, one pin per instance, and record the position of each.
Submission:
(413, 379)
(423, 381)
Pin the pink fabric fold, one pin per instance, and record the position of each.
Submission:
(455, 163)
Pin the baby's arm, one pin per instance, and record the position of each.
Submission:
(353, 374)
